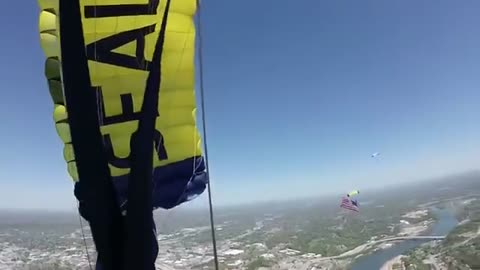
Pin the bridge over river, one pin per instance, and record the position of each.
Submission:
(418, 237)
(368, 245)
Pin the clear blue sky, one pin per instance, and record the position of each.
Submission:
(299, 94)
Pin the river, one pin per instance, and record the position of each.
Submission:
(446, 222)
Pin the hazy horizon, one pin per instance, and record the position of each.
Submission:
(331, 195)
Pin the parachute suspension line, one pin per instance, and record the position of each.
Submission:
(95, 190)
(84, 239)
(204, 126)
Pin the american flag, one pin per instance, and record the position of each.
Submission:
(347, 204)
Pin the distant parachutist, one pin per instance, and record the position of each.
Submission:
(349, 203)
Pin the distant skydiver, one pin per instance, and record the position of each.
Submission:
(355, 202)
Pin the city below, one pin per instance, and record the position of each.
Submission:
(393, 230)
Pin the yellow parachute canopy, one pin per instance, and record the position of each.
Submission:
(353, 192)
(119, 43)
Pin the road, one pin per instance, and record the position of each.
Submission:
(164, 266)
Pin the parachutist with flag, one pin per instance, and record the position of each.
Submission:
(349, 203)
